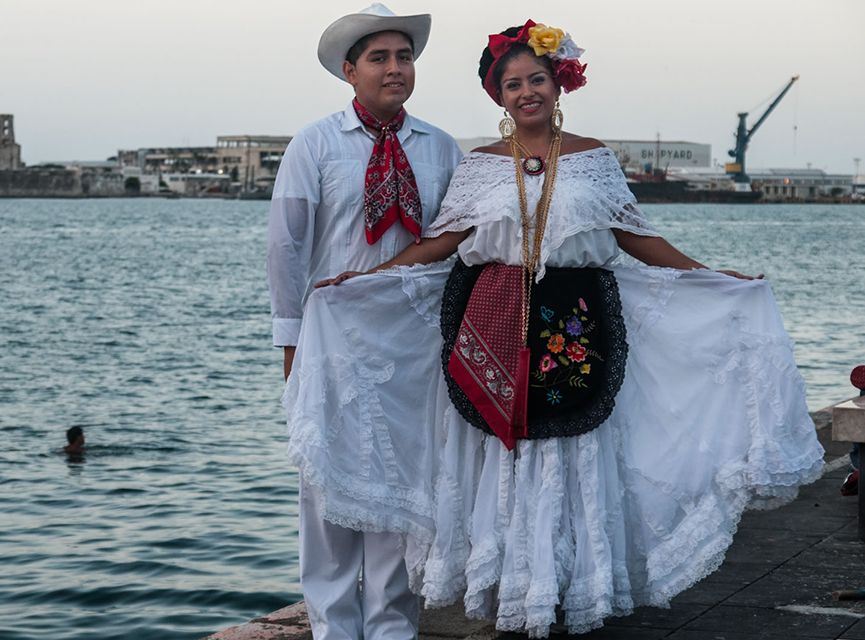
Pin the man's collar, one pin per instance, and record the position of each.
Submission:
(350, 121)
(416, 125)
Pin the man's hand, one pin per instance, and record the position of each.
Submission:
(345, 275)
(288, 358)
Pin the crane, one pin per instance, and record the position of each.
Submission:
(743, 137)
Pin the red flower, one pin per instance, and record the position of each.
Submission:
(569, 74)
(575, 352)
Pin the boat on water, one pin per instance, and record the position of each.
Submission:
(260, 189)
(651, 189)
(257, 194)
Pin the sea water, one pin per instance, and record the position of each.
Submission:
(147, 323)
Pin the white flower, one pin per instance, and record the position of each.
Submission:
(568, 50)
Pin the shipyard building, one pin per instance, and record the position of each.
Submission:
(643, 156)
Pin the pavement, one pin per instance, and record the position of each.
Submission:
(776, 581)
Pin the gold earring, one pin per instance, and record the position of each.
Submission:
(507, 126)
(558, 118)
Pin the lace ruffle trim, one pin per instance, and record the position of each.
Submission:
(590, 193)
(351, 377)
(695, 549)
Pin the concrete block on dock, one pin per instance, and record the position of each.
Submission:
(848, 420)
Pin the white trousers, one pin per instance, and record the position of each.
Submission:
(331, 561)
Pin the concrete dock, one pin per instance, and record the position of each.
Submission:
(776, 581)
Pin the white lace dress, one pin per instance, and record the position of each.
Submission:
(710, 419)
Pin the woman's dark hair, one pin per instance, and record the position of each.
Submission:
(487, 58)
(361, 45)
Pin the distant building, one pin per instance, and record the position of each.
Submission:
(87, 165)
(248, 160)
(639, 156)
(10, 152)
(801, 184)
(148, 184)
(254, 157)
(158, 160)
(196, 185)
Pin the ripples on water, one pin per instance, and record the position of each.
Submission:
(147, 323)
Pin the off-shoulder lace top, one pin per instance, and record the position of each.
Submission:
(590, 199)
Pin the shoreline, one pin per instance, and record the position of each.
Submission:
(233, 196)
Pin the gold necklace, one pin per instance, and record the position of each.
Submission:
(533, 164)
(532, 261)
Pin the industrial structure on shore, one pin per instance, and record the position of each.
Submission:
(10, 152)
(246, 166)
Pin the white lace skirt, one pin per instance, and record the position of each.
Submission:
(711, 419)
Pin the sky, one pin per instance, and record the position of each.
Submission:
(84, 78)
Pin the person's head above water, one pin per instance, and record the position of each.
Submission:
(75, 437)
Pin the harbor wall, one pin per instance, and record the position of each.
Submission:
(102, 184)
(61, 183)
(40, 183)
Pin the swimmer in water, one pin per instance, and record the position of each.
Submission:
(75, 436)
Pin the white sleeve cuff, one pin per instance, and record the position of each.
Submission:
(286, 331)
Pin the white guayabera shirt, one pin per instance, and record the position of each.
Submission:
(316, 228)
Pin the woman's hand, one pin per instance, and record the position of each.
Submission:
(736, 274)
(345, 275)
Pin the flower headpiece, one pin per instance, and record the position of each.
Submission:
(554, 43)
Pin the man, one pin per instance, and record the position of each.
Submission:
(353, 190)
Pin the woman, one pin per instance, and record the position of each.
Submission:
(697, 413)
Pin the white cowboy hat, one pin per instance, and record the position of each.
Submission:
(340, 36)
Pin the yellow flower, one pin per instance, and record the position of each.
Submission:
(585, 368)
(544, 39)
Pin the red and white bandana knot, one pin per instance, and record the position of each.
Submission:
(390, 192)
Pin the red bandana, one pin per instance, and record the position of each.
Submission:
(390, 192)
(485, 361)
